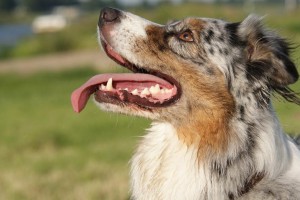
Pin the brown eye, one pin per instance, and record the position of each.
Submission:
(186, 36)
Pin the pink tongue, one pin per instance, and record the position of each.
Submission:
(81, 95)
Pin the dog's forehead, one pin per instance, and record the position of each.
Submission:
(196, 23)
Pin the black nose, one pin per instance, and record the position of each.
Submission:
(109, 15)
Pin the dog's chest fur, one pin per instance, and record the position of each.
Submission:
(165, 168)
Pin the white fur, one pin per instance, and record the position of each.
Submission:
(160, 166)
(293, 171)
(124, 35)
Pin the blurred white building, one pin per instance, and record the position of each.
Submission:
(58, 20)
(49, 23)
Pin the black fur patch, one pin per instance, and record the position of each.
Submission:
(234, 39)
(284, 46)
(230, 196)
(256, 70)
(210, 34)
(242, 112)
(288, 65)
(262, 38)
(249, 184)
(251, 132)
(226, 52)
(220, 50)
(218, 170)
(221, 38)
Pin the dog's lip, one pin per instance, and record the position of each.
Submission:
(114, 55)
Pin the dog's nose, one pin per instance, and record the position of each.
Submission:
(109, 14)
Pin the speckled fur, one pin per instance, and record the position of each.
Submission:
(221, 140)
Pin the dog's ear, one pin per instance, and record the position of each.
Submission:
(267, 54)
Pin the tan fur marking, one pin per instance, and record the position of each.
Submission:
(207, 125)
(195, 24)
(206, 106)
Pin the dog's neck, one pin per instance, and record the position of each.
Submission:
(165, 167)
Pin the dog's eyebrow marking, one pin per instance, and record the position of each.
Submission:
(174, 26)
(173, 22)
(196, 23)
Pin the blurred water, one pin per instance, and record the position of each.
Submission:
(10, 34)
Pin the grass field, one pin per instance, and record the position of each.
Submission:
(48, 152)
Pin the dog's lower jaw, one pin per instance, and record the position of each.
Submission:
(128, 110)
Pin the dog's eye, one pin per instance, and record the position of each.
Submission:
(186, 36)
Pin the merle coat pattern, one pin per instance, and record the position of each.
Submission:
(220, 138)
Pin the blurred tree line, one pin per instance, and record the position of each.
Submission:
(46, 5)
(43, 5)
(7, 5)
(33, 5)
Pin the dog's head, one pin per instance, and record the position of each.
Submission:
(192, 70)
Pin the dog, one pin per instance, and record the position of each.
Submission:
(207, 84)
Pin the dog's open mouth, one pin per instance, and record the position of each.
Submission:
(144, 88)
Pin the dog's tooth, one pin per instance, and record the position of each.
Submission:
(109, 86)
(145, 92)
(157, 88)
(163, 91)
(135, 92)
(126, 89)
(151, 90)
(102, 87)
(169, 90)
(154, 89)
